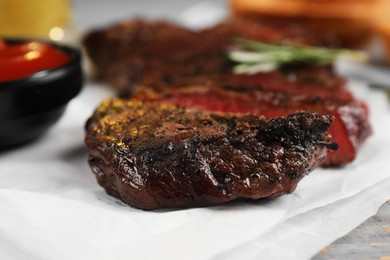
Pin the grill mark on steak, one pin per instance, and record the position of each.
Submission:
(163, 156)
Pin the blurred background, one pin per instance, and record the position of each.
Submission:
(356, 24)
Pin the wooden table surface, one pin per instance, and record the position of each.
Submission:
(371, 240)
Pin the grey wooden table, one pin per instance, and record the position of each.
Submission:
(371, 240)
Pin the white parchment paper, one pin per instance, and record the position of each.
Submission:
(52, 208)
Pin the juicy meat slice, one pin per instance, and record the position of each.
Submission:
(162, 156)
(349, 129)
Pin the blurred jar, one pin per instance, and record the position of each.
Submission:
(47, 19)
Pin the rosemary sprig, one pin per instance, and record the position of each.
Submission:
(253, 57)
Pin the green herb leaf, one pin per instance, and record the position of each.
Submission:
(253, 57)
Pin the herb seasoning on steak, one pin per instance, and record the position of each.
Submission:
(162, 156)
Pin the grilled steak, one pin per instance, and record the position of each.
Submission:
(162, 156)
(162, 62)
(161, 53)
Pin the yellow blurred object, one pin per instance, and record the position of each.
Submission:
(34, 18)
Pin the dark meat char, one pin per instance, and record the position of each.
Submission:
(163, 156)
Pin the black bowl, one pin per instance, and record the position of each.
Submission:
(29, 106)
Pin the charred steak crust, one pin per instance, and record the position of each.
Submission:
(163, 156)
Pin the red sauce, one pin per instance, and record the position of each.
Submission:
(18, 61)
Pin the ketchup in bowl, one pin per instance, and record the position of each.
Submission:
(37, 81)
(21, 60)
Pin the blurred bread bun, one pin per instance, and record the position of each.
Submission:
(339, 9)
(353, 22)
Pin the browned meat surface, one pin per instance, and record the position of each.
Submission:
(162, 156)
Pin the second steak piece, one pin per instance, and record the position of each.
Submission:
(349, 130)
(158, 53)
(162, 156)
